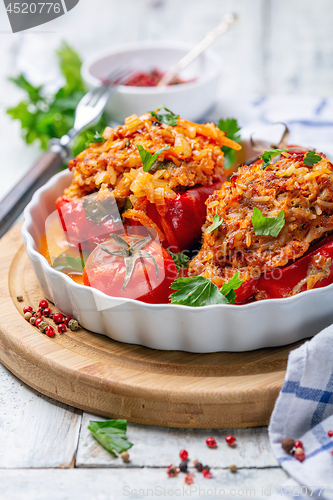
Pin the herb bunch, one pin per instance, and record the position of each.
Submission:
(45, 116)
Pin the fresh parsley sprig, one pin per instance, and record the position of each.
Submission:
(311, 158)
(111, 434)
(44, 116)
(147, 158)
(169, 118)
(217, 221)
(269, 155)
(180, 259)
(197, 291)
(267, 226)
(231, 128)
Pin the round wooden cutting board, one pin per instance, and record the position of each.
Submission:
(94, 373)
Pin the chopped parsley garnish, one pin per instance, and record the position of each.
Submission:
(311, 158)
(228, 289)
(111, 434)
(68, 263)
(231, 128)
(147, 158)
(267, 226)
(269, 155)
(197, 291)
(96, 137)
(180, 259)
(169, 118)
(216, 223)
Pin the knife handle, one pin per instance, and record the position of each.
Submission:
(16, 200)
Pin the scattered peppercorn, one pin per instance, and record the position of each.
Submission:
(38, 322)
(330, 434)
(43, 304)
(43, 325)
(183, 454)
(198, 466)
(38, 315)
(183, 466)
(19, 298)
(27, 309)
(61, 328)
(47, 312)
(232, 468)
(206, 472)
(32, 320)
(189, 478)
(211, 443)
(67, 320)
(49, 331)
(287, 444)
(230, 440)
(172, 471)
(299, 454)
(27, 315)
(58, 318)
(125, 456)
(73, 325)
(298, 444)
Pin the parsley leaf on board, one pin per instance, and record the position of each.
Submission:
(180, 259)
(231, 128)
(111, 434)
(169, 118)
(311, 158)
(216, 223)
(96, 137)
(267, 226)
(197, 291)
(44, 116)
(147, 158)
(269, 155)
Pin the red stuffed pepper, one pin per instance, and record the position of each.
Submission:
(272, 224)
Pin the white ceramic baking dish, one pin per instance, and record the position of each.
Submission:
(266, 323)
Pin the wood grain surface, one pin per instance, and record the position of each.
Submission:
(96, 374)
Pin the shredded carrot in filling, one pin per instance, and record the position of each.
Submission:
(194, 157)
(304, 193)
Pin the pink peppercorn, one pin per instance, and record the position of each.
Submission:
(299, 454)
(43, 304)
(67, 320)
(49, 331)
(231, 440)
(47, 312)
(298, 444)
(27, 309)
(211, 443)
(330, 434)
(61, 328)
(58, 318)
(38, 322)
(183, 455)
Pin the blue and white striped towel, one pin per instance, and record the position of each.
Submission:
(304, 411)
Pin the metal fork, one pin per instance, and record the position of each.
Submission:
(87, 112)
(90, 109)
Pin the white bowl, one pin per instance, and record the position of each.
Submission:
(189, 100)
(222, 327)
